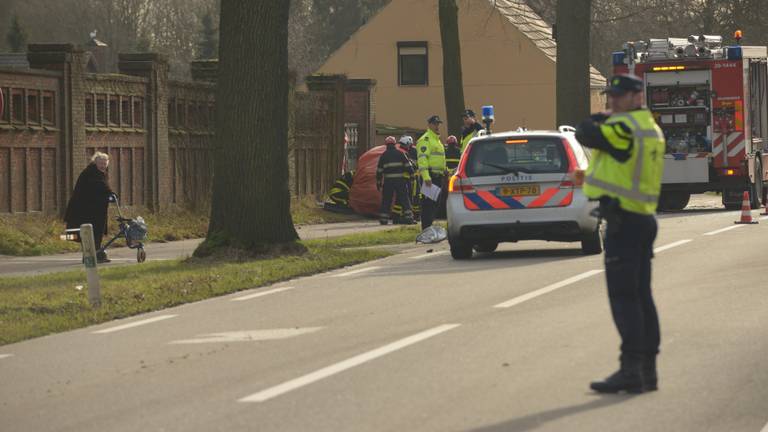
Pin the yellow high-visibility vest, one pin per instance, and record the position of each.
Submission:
(431, 153)
(636, 183)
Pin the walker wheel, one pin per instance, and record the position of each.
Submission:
(141, 255)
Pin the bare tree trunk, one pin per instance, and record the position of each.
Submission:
(573, 90)
(250, 208)
(453, 86)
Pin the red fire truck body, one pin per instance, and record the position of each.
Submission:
(712, 104)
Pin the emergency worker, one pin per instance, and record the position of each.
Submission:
(431, 167)
(392, 175)
(338, 196)
(452, 154)
(406, 145)
(471, 127)
(625, 176)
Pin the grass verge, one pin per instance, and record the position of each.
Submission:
(39, 305)
(36, 234)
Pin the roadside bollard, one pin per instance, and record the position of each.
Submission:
(89, 260)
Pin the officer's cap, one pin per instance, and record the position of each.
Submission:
(434, 120)
(621, 84)
(468, 113)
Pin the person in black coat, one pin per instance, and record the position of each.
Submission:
(392, 174)
(90, 200)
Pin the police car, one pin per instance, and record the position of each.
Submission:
(519, 185)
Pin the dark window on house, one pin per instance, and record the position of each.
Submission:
(412, 64)
(17, 106)
(33, 106)
(181, 114)
(101, 110)
(138, 112)
(172, 113)
(125, 111)
(49, 108)
(89, 120)
(114, 114)
(6, 101)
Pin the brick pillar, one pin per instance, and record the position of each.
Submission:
(71, 62)
(334, 85)
(158, 180)
(359, 94)
(205, 70)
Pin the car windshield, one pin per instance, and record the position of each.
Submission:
(529, 155)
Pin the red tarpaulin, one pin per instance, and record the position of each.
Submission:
(364, 198)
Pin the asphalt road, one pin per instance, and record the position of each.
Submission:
(19, 266)
(419, 342)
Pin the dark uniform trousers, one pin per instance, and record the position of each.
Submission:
(429, 207)
(628, 253)
(399, 188)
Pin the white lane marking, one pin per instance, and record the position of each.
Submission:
(722, 230)
(349, 363)
(262, 294)
(248, 336)
(134, 324)
(2, 356)
(547, 289)
(671, 245)
(358, 271)
(427, 255)
(765, 428)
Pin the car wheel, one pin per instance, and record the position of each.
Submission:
(460, 250)
(593, 243)
(487, 247)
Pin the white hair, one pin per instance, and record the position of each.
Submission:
(99, 155)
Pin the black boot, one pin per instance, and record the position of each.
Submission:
(628, 378)
(650, 379)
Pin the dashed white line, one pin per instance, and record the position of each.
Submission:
(722, 230)
(134, 324)
(672, 245)
(427, 255)
(547, 289)
(358, 271)
(349, 363)
(2, 356)
(262, 294)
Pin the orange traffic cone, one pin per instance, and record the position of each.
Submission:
(746, 211)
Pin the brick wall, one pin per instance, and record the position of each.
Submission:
(158, 133)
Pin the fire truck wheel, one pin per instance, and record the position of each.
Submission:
(756, 189)
(674, 200)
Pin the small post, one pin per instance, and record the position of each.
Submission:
(89, 259)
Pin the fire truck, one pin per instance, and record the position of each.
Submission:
(711, 101)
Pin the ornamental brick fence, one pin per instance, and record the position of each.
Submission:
(157, 131)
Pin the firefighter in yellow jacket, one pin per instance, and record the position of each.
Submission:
(431, 160)
(625, 176)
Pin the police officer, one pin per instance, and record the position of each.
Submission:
(625, 176)
(452, 153)
(431, 153)
(392, 175)
(471, 127)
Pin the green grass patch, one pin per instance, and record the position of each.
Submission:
(404, 234)
(35, 306)
(36, 234)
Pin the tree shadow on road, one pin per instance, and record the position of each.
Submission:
(536, 420)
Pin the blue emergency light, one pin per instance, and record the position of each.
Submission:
(733, 53)
(488, 113)
(618, 58)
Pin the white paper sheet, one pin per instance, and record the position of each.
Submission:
(431, 192)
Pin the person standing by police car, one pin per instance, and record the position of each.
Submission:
(625, 176)
(432, 168)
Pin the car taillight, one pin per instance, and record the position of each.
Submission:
(567, 184)
(460, 184)
(573, 164)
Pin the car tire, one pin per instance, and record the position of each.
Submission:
(487, 247)
(459, 249)
(593, 243)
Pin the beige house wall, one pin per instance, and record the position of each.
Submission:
(501, 66)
